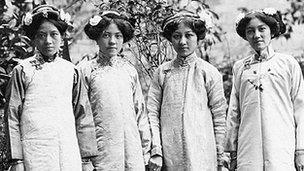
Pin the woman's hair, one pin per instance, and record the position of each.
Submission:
(273, 20)
(40, 14)
(98, 23)
(193, 21)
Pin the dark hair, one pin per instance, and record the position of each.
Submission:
(41, 14)
(197, 26)
(275, 23)
(124, 25)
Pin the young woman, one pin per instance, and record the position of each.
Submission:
(186, 102)
(122, 127)
(48, 114)
(265, 116)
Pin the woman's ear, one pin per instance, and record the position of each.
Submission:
(272, 35)
(62, 42)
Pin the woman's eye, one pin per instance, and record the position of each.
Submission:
(176, 36)
(106, 35)
(119, 36)
(41, 35)
(189, 35)
(262, 29)
(249, 31)
(54, 34)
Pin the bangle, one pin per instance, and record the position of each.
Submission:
(15, 162)
(85, 160)
(299, 152)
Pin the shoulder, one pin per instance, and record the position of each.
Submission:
(286, 58)
(164, 67)
(287, 61)
(85, 63)
(239, 65)
(28, 61)
(66, 62)
(206, 66)
(129, 66)
(87, 66)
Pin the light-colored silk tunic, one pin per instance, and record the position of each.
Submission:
(122, 127)
(187, 109)
(41, 119)
(266, 113)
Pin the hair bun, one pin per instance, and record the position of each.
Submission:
(278, 17)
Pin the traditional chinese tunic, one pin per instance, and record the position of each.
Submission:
(266, 112)
(48, 116)
(186, 106)
(122, 127)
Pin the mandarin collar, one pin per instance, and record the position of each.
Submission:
(104, 61)
(265, 55)
(43, 59)
(185, 61)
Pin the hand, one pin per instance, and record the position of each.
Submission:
(87, 166)
(299, 160)
(17, 167)
(219, 168)
(155, 163)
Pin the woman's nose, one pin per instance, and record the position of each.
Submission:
(257, 34)
(183, 40)
(48, 39)
(112, 40)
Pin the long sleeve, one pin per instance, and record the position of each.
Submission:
(233, 118)
(297, 96)
(218, 107)
(84, 118)
(15, 93)
(153, 106)
(142, 120)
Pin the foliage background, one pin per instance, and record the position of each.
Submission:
(222, 47)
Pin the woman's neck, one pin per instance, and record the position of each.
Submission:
(188, 56)
(102, 55)
(104, 59)
(263, 52)
(48, 58)
(266, 53)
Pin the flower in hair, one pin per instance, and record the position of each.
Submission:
(269, 11)
(239, 18)
(64, 16)
(28, 19)
(206, 17)
(95, 20)
(110, 12)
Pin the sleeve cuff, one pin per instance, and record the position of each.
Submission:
(146, 158)
(299, 152)
(156, 151)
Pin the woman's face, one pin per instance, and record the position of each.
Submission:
(258, 34)
(184, 40)
(110, 41)
(48, 39)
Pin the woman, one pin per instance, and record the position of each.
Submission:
(48, 114)
(186, 102)
(265, 116)
(122, 127)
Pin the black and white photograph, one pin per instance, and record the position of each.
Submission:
(151, 85)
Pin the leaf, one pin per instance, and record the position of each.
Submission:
(2, 70)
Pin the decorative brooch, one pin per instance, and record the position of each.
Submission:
(64, 16)
(269, 11)
(28, 18)
(239, 18)
(95, 20)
